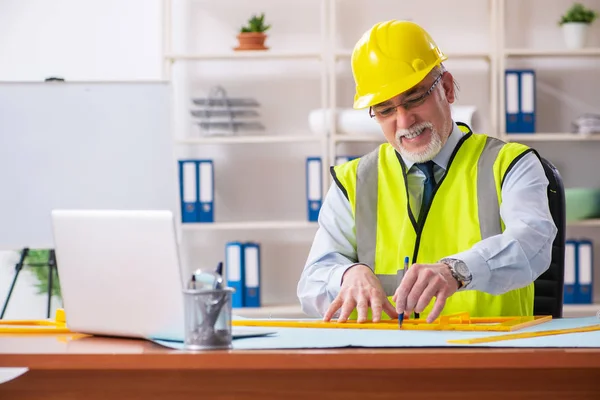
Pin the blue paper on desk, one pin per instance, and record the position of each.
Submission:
(309, 338)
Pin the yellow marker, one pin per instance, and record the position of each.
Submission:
(455, 322)
(524, 335)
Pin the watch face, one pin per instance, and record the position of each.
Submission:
(462, 269)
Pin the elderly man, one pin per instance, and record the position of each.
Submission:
(469, 212)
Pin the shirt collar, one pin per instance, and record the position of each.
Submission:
(443, 157)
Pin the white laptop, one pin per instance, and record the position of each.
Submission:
(119, 272)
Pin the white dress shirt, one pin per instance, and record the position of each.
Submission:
(499, 263)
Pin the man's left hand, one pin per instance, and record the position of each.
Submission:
(421, 283)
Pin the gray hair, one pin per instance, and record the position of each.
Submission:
(439, 70)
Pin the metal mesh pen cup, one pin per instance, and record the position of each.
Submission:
(207, 319)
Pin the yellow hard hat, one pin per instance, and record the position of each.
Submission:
(390, 58)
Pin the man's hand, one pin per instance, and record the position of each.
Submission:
(360, 289)
(420, 284)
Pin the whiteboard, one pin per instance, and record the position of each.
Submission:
(81, 146)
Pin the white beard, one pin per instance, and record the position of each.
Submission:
(431, 150)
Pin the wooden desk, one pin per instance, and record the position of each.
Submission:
(63, 367)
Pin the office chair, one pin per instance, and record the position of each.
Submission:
(548, 299)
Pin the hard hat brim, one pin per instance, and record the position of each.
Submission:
(394, 88)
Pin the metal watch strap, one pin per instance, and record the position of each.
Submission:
(450, 262)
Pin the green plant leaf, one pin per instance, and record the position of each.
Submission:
(578, 13)
(255, 24)
(37, 263)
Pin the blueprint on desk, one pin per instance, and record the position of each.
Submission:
(319, 338)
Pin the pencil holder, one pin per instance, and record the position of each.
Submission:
(207, 319)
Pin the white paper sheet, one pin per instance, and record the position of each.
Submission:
(8, 374)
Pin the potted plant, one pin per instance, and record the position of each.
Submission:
(37, 260)
(252, 36)
(575, 23)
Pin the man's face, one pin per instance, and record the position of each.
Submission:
(418, 122)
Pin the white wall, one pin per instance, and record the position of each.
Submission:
(120, 40)
(98, 40)
(91, 40)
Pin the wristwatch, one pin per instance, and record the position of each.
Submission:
(459, 271)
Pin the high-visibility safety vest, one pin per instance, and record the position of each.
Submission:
(465, 210)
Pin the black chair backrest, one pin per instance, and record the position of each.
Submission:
(549, 286)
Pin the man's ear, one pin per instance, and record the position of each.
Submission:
(448, 85)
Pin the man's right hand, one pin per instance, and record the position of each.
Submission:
(360, 289)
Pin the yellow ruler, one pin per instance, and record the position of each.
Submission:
(58, 325)
(525, 335)
(455, 322)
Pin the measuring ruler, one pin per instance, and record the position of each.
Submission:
(459, 322)
(525, 335)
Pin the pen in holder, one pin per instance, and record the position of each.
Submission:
(208, 318)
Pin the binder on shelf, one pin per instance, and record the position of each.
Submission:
(188, 191)
(570, 282)
(314, 195)
(252, 274)
(234, 271)
(206, 191)
(520, 104)
(585, 258)
(527, 114)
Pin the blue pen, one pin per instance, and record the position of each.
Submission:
(401, 315)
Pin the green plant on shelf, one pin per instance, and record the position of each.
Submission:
(578, 13)
(37, 262)
(256, 24)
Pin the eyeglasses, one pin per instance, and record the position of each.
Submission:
(386, 112)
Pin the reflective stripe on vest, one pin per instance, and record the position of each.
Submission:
(366, 207)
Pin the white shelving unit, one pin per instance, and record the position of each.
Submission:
(250, 225)
(507, 54)
(358, 138)
(251, 139)
(551, 53)
(170, 58)
(274, 138)
(329, 55)
(550, 137)
(244, 55)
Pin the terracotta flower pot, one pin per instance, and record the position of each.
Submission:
(251, 41)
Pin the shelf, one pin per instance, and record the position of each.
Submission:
(251, 139)
(454, 55)
(552, 53)
(548, 137)
(581, 310)
(245, 55)
(359, 138)
(271, 311)
(585, 222)
(249, 225)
